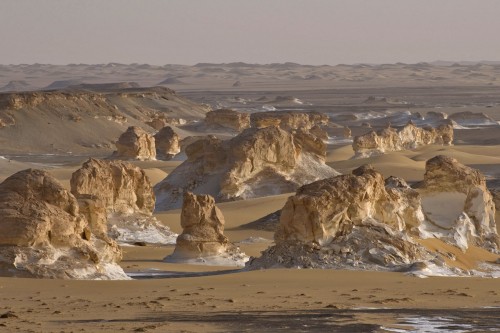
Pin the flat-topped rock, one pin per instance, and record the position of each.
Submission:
(228, 118)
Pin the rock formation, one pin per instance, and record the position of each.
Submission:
(347, 133)
(468, 118)
(363, 221)
(167, 143)
(202, 238)
(118, 199)
(458, 206)
(257, 162)
(409, 137)
(43, 234)
(288, 120)
(228, 118)
(135, 144)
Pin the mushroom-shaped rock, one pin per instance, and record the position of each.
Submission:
(118, 199)
(228, 118)
(202, 239)
(43, 234)
(167, 143)
(458, 205)
(257, 162)
(135, 144)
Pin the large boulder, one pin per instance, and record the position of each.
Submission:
(458, 206)
(135, 144)
(43, 234)
(118, 199)
(468, 118)
(408, 137)
(167, 143)
(202, 239)
(228, 118)
(257, 162)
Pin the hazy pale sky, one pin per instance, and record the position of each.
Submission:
(256, 31)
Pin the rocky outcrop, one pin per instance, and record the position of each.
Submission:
(167, 143)
(135, 144)
(118, 199)
(43, 234)
(202, 239)
(363, 221)
(288, 120)
(228, 118)
(408, 137)
(257, 162)
(458, 206)
(468, 118)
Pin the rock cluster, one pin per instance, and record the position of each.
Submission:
(257, 162)
(409, 137)
(43, 234)
(202, 238)
(118, 199)
(135, 144)
(228, 118)
(167, 143)
(363, 221)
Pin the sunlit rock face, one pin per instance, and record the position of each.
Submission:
(409, 137)
(135, 144)
(44, 235)
(228, 118)
(257, 162)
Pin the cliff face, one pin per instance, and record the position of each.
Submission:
(255, 163)
(409, 137)
(43, 234)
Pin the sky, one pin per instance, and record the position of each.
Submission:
(255, 31)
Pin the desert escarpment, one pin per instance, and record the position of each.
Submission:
(408, 137)
(257, 162)
(135, 144)
(362, 221)
(43, 234)
(202, 239)
(120, 201)
(228, 118)
(166, 143)
(84, 120)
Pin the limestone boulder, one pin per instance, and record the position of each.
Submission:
(257, 162)
(167, 143)
(43, 234)
(288, 120)
(228, 118)
(202, 237)
(408, 137)
(457, 204)
(135, 144)
(118, 200)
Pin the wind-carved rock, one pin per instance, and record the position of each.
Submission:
(43, 234)
(228, 118)
(409, 137)
(202, 239)
(135, 144)
(288, 120)
(257, 162)
(468, 118)
(167, 143)
(118, 199)
(362, 221)
(458, 206)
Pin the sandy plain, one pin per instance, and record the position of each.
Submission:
(166, 297)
